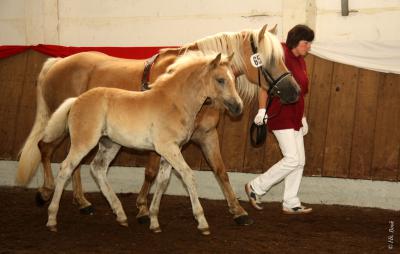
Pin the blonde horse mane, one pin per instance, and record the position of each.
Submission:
(228, 42)
(183, 61)
(189, 57)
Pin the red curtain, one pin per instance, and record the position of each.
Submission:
(62, 51)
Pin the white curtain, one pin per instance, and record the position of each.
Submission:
(382, 56)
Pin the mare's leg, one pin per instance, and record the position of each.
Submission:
(150, 174)
(99, 166)
(161, 185)
(173, 155)
(44, 193)
(78, 195)
(209, 144)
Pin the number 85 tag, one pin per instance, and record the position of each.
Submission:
(256, 60)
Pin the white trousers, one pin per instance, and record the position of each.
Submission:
(290, 168)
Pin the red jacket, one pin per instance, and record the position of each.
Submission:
(289, 116)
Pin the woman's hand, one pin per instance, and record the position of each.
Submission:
(261, 117)
(305, 125)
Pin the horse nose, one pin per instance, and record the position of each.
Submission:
(295, 97)
(235, 108)
(289, 95)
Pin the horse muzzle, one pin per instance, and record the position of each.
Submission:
(235, 108)
(290, 96)
(288, 91)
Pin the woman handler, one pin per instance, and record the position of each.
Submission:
(289, 125)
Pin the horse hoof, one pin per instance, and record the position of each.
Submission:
(243, 220)
(89, 210)
(143, 219)
(205, 231)
(156, 230)
(52, 228)
(40, 201)
(123, 223)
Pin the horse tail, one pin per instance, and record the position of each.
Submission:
(29, 156)
(58, 123)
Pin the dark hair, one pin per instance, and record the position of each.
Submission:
(298, 33)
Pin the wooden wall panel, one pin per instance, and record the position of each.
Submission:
(385, 159)
(317, 116)
(310, 59)
(12, 78)
(340, 121)
(364, 124)
(254, 156)
(232, 144)
(193, 155)
(141, 158)
(125, 157)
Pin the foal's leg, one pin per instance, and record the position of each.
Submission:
(209, 144)
(99, 166)
(150, 174)
(173, 155)
(161, 185)
(82, 142)
(67, 167)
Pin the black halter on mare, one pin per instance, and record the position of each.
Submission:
(260, 134)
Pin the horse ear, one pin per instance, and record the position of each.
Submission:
(274, 30)
(231, 56)
(215, 62)
(261, 33)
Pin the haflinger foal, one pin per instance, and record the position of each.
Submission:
(161, 119)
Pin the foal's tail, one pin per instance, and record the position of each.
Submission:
(58, 123)
(30, 153)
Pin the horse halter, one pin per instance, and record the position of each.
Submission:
(273, 89)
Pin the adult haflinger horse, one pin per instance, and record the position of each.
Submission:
(118, 117)
(73, 75)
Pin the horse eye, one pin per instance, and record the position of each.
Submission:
(221, 81)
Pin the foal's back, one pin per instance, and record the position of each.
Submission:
(126, 117)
